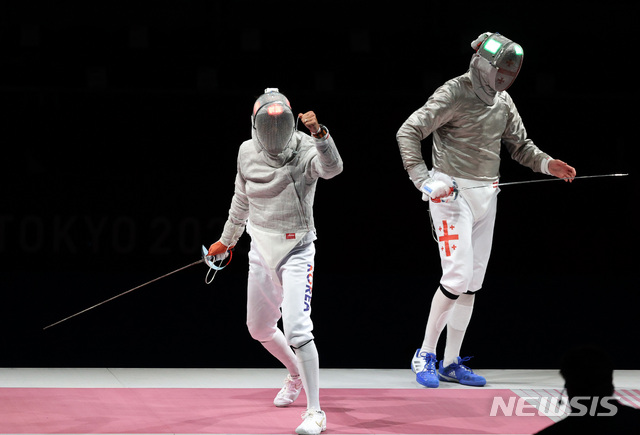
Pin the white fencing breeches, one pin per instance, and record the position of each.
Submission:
(464, 230)
(281, 292)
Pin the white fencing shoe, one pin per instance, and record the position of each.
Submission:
(289, 393)
(314, 422)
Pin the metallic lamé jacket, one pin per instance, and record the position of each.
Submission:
(278, 198)
(467, 135)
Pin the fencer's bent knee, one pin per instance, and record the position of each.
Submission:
(261, 334)
(447, 293)
(302, 345)
(299, 340)
(266, 334)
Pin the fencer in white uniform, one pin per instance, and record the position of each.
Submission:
(277, 173)
(469, 118)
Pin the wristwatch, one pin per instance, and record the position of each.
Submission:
(322, 132)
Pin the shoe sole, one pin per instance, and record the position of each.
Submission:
(323, 427)
(427, 385)
(284, 405)
(308, 433)
(430, 386)
(469, 384)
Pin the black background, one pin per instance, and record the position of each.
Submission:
(120, 127)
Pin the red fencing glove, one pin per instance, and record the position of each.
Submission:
(218, 251)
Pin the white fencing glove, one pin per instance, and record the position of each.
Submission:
(438, 191)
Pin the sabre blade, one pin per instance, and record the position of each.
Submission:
(512, 183)
(122, 294)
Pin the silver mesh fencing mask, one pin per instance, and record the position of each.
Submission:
(505, 58)
(273, 121)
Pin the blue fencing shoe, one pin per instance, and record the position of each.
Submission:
(456, 372)
(417, 362)
(428, 376)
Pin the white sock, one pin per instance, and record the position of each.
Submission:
(438, 315)
(309, 366)
(457, 326)
(279, 348)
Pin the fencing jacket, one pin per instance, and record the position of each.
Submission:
(277, 199)
(467, 135)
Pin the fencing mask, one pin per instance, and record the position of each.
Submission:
(273, 123)
(498, 59)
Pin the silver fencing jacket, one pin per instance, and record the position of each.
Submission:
(467, 135)
(276, 198)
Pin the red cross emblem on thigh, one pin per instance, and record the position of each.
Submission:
(446, 237)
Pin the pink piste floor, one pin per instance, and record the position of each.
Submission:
(134, 402)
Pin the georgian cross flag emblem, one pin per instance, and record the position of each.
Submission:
(446, 238)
